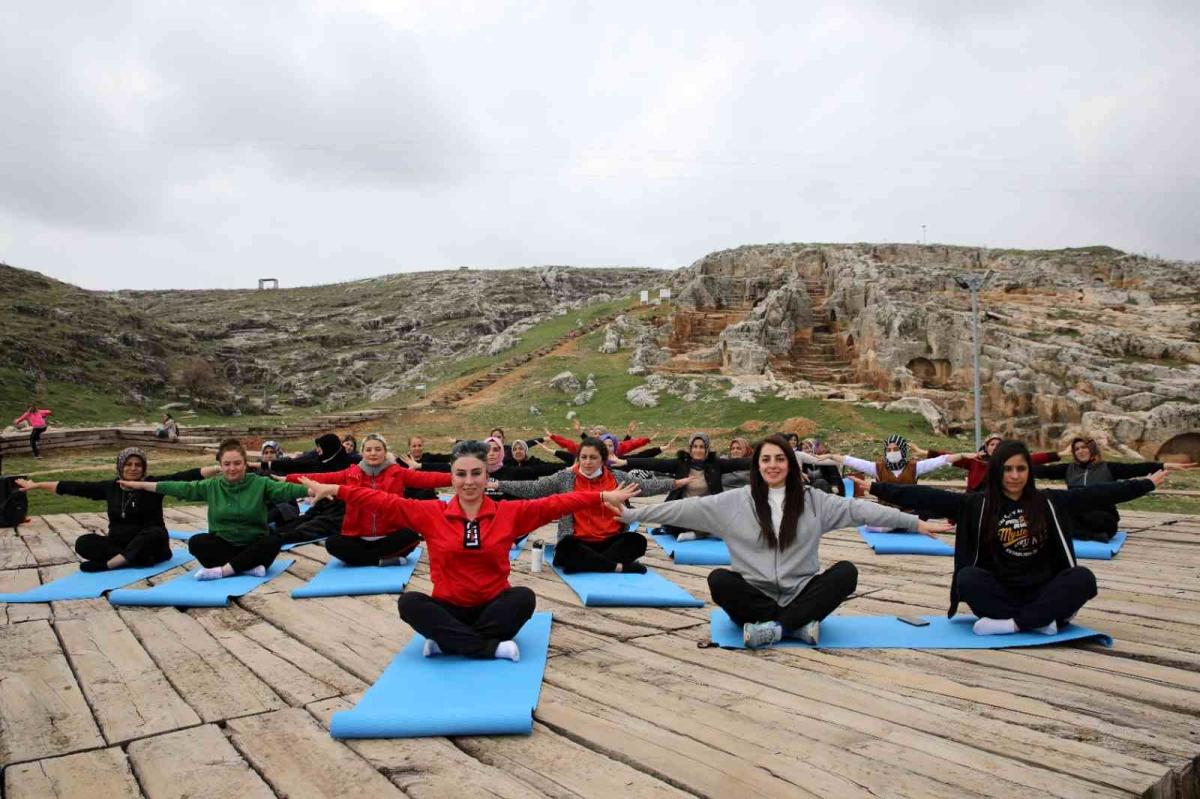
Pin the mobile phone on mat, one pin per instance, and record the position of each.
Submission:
(915, 621)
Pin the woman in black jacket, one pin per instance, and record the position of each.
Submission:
(137, 534)
(1099, 521)
(698, 462)
(1014, 563)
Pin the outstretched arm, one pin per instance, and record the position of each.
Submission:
(933, 502)
(1114, 493)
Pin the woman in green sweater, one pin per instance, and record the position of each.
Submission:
(238, 540)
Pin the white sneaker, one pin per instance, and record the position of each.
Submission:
(760, 634)
(810, 633)
(686, 537)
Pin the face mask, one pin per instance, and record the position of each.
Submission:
(893, 457)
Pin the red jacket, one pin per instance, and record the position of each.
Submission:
(595, 523)
(361, 522)
(467, 576)
(977, 469)
(623, 447)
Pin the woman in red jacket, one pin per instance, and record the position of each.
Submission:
(365, 539)
(473, 610)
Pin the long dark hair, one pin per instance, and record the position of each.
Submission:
(793, 497)
(1031, 502)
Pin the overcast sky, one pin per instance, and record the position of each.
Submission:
(204, 145)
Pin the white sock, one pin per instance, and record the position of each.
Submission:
(1049, 629)
(215, 573)
(986, 626)
(431, 648)
(508, 649)
(257, 571)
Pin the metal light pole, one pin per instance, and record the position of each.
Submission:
(923, 239)
(973, 283)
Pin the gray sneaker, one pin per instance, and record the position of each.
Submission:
(760, 634)
(810, 633)
(686, 537)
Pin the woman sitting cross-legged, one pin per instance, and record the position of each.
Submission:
(592, 539)
(366, 539)
(237, 540)
(473, 610)
(773, 527)
(137, 534)
(1014, 563)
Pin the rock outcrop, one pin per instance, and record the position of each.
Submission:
(1070, 339)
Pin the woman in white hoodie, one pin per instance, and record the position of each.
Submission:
(772, 527)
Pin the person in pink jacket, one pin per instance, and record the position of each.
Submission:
(37, 420)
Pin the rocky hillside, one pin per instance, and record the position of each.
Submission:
(331, 345)
(1087, 338)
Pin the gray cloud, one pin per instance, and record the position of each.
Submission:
(192, 147)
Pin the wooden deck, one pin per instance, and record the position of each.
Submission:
(235, 702)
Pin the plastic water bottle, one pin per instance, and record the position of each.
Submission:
(536, 557)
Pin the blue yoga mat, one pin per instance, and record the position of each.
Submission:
(702, 552)
(84, 585)
(1100, 550)
(338, 579)
(609, 589)
(904, 543)
(185, 591)
(420, 697)
(888, 632)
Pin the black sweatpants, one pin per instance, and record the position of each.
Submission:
(473, 632)
(745, 604)
(356, 551)
(573, 554)
(34, 436)
(145, 548)
(322, 520)
(1057, 600)
(213, 550)
(1096, 524)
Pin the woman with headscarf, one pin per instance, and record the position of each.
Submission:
(364, 539)
(1014, 563)
(1098, 522)
(238, 540)
(137, 534)
(350, 445)
(700, 465)
(774, 587)
(473, 610)
(739, 447)
(592, 540)
(322, 519)
(894, 466)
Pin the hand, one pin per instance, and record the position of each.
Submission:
(667, 446)
(1183, 467)
(546, 446)
(576, 424)
(1158, 478)
(632, 426)
(620, 463)
(683, 481)
(617, 498)
(409, 462)
(320, 491)
(492, 485)
(863, 483)
(840, 460)
(25, 485)
(136, 485)
(968, 456)
(932, 528)
(278, 478)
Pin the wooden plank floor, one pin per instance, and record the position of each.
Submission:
(157, 702)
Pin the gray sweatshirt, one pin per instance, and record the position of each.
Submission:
(563, 482)
(780, 574)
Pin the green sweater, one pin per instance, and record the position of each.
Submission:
(237, 512)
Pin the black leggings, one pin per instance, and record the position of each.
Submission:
(573, 554)
(1058, 600)
(745, 604)
(356, 551)
(322, 520)
(1096, 524)
(471, 631)
(145, 548)
(213, 550)
(34, 436)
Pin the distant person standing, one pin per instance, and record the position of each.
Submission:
(36, 418)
